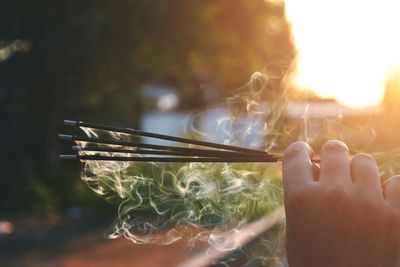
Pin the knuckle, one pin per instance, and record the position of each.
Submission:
(337, 191)
(335, 145)
(295, 199)
(299, 196)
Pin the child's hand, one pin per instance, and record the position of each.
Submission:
(339, 214)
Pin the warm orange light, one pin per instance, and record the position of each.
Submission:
(345, 47)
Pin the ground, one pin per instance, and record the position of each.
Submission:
(60, 242)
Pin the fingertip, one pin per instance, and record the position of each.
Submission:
(391, 191)
(297, 166)
(362, 160)
(365, 173)
(335, 162)
(333, 146)
(296, 148)
(393, 183)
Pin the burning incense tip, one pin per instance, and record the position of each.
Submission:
(67, 157)
(65, 137)
(70, 122)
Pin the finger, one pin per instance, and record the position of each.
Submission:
(391, 191)
(297, 166)
(335, 164)
(365, 173)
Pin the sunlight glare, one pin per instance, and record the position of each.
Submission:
(345, 48)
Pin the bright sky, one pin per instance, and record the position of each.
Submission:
(346, 48)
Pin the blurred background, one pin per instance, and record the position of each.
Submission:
(147, 64)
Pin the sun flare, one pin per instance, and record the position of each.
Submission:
(346, 49)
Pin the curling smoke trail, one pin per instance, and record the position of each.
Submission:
(158, 202)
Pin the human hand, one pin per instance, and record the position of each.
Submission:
(339, 214)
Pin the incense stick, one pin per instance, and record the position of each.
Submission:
(160, 136)
(168, 159)
(212, 153)
(150, 146)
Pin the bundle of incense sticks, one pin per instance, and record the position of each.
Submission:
(111, 149)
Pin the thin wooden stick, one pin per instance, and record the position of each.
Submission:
(150, 146)
(212, 153)
(167, 159)
(160, 136)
